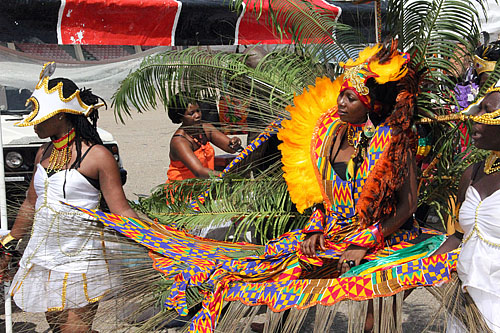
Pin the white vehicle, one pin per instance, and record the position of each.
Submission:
(20, 145)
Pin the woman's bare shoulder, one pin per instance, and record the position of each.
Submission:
(96, 152)
(41, 152)
(180, 137)
(465, 181)
(180, 130)
(180, 134)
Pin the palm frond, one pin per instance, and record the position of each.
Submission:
(204, 74)
(306, 23)
(437, 34)
(440, 36)
(261, 205)
(159, 76)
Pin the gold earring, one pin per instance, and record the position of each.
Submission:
(369, 128)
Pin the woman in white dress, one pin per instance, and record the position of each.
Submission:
(63, 272)
(479, 194)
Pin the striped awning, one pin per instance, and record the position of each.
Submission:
(153, 22)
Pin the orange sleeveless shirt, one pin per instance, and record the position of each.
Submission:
(205, 154)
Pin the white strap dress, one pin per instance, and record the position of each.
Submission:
(63, 265)
(479, 262)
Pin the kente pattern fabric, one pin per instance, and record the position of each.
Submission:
(205, 154)
(278, 281)
(340, 196)
(366, 237)
(192, 261)
(63, 264)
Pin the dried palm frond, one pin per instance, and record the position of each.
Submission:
(458, 307)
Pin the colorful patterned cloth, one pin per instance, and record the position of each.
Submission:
(282, 277)
(278, 281)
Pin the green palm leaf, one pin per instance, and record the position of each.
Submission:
(269, 88)
(429, 30)
(261, 205)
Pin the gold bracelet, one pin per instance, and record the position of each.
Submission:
(6, 239)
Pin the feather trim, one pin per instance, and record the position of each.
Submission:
(363, 56)
(296, 135)
(377, 200)
(391, 68)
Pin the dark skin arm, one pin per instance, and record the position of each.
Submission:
(100, 164)
(407, 204)
(453, 241)
(181, 149)
(24, 219)
(221, 140)
(313, 240)
(449, 245)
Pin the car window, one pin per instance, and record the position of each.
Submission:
(13, 100)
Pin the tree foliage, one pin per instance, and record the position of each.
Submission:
(439, 35)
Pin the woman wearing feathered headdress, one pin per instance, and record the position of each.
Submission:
(348, 151)
(359, 170)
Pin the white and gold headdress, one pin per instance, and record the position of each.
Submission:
(481, 65)
(474, 108)
(49, 102)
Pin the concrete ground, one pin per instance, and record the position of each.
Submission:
(144, 145)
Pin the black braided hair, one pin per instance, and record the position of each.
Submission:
(85, 130)
(386, 95)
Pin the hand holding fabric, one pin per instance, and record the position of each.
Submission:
(352, 253)
(235, 144)
(311, 242)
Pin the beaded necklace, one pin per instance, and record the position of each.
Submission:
(492, 163)
(489, 118)
(61, 154)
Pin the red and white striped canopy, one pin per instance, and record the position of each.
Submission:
(153, 22)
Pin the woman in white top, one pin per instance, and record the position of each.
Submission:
(479, 194)
(62, 271)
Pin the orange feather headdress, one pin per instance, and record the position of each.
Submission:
(371, 65)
